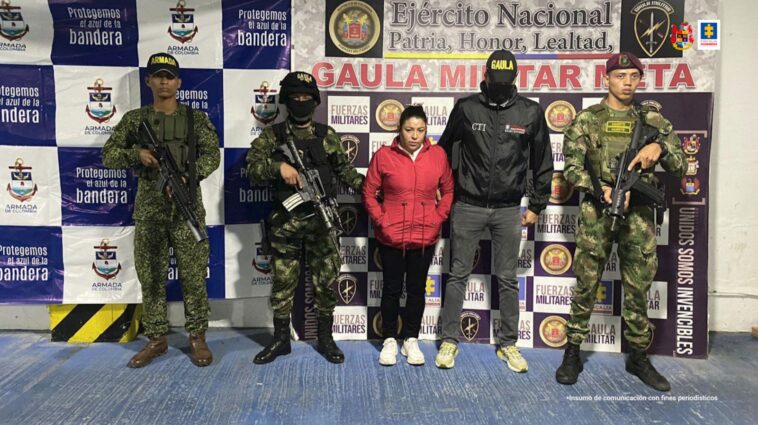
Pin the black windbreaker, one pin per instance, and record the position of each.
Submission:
(498, 144)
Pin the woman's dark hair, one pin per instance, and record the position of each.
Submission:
(411, 111)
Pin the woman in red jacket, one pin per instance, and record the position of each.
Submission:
(408, 174)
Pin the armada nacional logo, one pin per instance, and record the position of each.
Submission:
(22, 186)
(350, 144)
(264, 107)
(682, 36)
(12, 25)
(690, 186)
(354, 27)
(349, 218)
(691, 145)
(100, 107)
(560, 189)
(559, 115)
(470, 325)
(555, 259)
(347, 286)
(692, 166)
(183, 28)
(261, 263)
(553, 331)
(106, 265)
(388, 114)
(652, 21)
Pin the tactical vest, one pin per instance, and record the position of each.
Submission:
(176, 132)
(313, 155)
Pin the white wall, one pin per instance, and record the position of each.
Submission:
(733, 267)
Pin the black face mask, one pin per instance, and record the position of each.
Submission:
(499, 93)
(301, 111)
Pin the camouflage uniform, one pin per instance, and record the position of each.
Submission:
(290, 232)
(158, 222)
(600, 134)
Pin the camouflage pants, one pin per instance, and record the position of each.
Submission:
(639, 262)
(289, 235)
(151, 253)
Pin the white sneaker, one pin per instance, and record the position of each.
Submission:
(412, 352)
(388, 356)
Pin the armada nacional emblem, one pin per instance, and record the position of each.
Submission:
(354, 27)
(350, 144)
(106, 265)
(388, 114)
(691, 145)
(21, 187)
(347, 287)
(261, 263)
(100, 107)
(470, 325)
(264, 107)
(682, 36)
(553, 331)
(348, 217)
(12, 25)
(652, 21)
(555, 259)
(559, 115)
(560, 189)
(183, 28)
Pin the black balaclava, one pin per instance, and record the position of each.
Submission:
(301, 111)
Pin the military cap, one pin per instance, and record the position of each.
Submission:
(163, 62)
(623, 60)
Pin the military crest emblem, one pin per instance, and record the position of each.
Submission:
(377, 324)
(682, 36)
(691, 145)
(106, 265)
(354, 27)
(100, 107)
(690, 186)
(652, 21)
(12, 25)
(347, 286)
(560, 189)
(470, 325)
(349, 218)
(559, 115)
(182, 28)
(21, 187)
(264, 107)
(477, 255)
(555, 259)
(692, 166)
(377, 259)
(261, 263)
(388, 114)
(553, 331)
(350, 144)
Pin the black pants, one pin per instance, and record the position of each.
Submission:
(411, 268)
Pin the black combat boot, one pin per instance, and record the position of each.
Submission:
(638, 364)
(571, 367)
(326, 345)
(279, 346)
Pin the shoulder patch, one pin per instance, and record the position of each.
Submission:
(651, 105)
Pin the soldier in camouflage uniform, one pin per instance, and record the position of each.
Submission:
(158, 223)
(599, 134)
(292, 231)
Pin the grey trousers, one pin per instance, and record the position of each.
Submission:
(468, 223)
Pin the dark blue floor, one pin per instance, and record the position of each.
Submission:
(56, 383)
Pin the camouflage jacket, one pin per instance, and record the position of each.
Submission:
(263, 169)
(122, 151)
(600, 136)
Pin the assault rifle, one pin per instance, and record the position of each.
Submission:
(171, 177)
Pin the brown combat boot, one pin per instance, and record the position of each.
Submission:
(199, 352)
(155, 347)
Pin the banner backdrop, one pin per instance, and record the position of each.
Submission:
(71, 69)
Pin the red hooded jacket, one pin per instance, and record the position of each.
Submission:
(409, 215)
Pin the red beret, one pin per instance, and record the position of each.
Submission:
(623, 60)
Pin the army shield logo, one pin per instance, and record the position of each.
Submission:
(347, 286)
(682, 36)
(21, 187)
(349, 218)
(651, 26)
(182, 27)
(350, 144)
(100, 106)
(106, 265)
(12, 25)
(470, 325)
(354, 27)
(264, 109)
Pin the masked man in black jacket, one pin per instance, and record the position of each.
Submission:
(494, 138)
